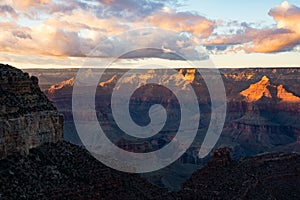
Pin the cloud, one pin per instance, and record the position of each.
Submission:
(183, 21)
(41, 40)
(134, 9)
(10, 34)
(284, 37)
(86, 20)
(7, 9)
(143, 43)
(51, 40)
(74, 27)
(26, 4)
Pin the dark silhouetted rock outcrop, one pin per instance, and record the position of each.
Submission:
(65, 171)
(267, 176)
(27, 117)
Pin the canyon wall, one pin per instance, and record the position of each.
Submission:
(263, 107)
(27, 117)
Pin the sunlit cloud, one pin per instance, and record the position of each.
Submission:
(6, 11)
(284, 37)
(72, 28)
(25, 4)
(183, 21)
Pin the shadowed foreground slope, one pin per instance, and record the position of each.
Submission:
(66, 171)
(268, 176)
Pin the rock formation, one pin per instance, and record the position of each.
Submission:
(262, 111)
(264, 88)
(285, 95)
(267, 176)
(63, 84)
(189, 74)
(65, 171)
(220, 157)
(27, 118)
(258, 90)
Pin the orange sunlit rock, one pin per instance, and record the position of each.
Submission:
(262, 89)
(258, 90)
(285, 95)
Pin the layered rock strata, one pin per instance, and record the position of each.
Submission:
(27, 117)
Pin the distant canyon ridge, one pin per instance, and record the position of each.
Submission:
(263, 107)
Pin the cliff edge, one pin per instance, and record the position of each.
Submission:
(27, 117)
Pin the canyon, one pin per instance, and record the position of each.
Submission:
(263, 114)
(263, 106)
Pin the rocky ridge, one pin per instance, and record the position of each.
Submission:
(264, 88)
(66, 171)
(27, 117)
(63, 84)
(266, 176)
(268, 122)
(161, 76)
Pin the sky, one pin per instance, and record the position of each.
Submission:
(232, 33)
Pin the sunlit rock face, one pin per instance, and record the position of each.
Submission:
(258, 90)
(27, 118)
(189, 74)
(286, 96)
(264, 88)
(268, 115)
(63, 84)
